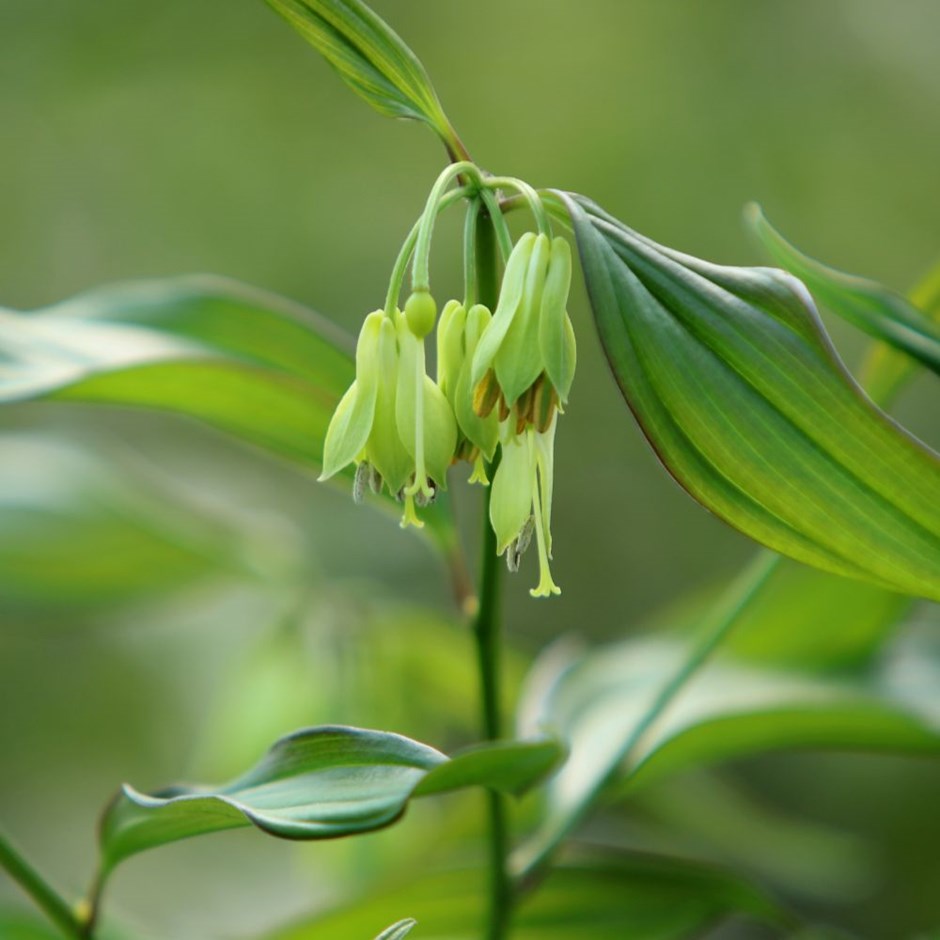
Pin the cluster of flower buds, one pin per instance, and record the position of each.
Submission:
(501, 380)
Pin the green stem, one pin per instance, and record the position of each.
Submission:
(420, 278)
(503, 235)
(58, 911)
(487, 633)
(470, 253)
(528, 196)
(408, 247)
(713, 633)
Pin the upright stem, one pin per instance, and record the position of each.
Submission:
(487, 633)
(58, 911)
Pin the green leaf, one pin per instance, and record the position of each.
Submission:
(248, 363)
(736, 386)
(727, 709)
(509, 766)
(642, 897)
(399, 930)
(371, 58)
(878, 310)
(884, 369)
(319, 783)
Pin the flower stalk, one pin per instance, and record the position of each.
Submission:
(42, 893)
(486, 631)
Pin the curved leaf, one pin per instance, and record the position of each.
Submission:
(885, 370)
(728, 709)
(879, 311)
(399, 930)
(642, 897)
(318, 783)
(509, 766)
(371, 58)
(735, 385)
(248, 363)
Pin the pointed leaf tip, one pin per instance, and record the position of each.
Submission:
(872, 307)
(398, 930)
(318, 783)
(372, 59)
(735, 384)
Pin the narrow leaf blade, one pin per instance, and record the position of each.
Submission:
(248, 363)
(371, 58)
(879, 311)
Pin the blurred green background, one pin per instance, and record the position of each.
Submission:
(142, 140)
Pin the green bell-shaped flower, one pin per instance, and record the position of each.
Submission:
(351, 424)
(524, 364)
(425, 422)
(458, 334)
(521, 500)
(398, 438)
(385, 453)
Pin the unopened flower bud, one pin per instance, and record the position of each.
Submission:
(420, 312)
(556, 335)
(450, 347)
(424, 418)
(528, 352)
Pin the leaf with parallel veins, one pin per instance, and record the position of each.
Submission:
(736, 386)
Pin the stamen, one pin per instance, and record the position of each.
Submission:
(423, 499)
(486, 395)
(525, 536)
(375, 480)
(361, 480)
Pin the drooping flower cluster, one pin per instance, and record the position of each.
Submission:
(502, 378)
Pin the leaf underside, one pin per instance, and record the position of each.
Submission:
(318, 783)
